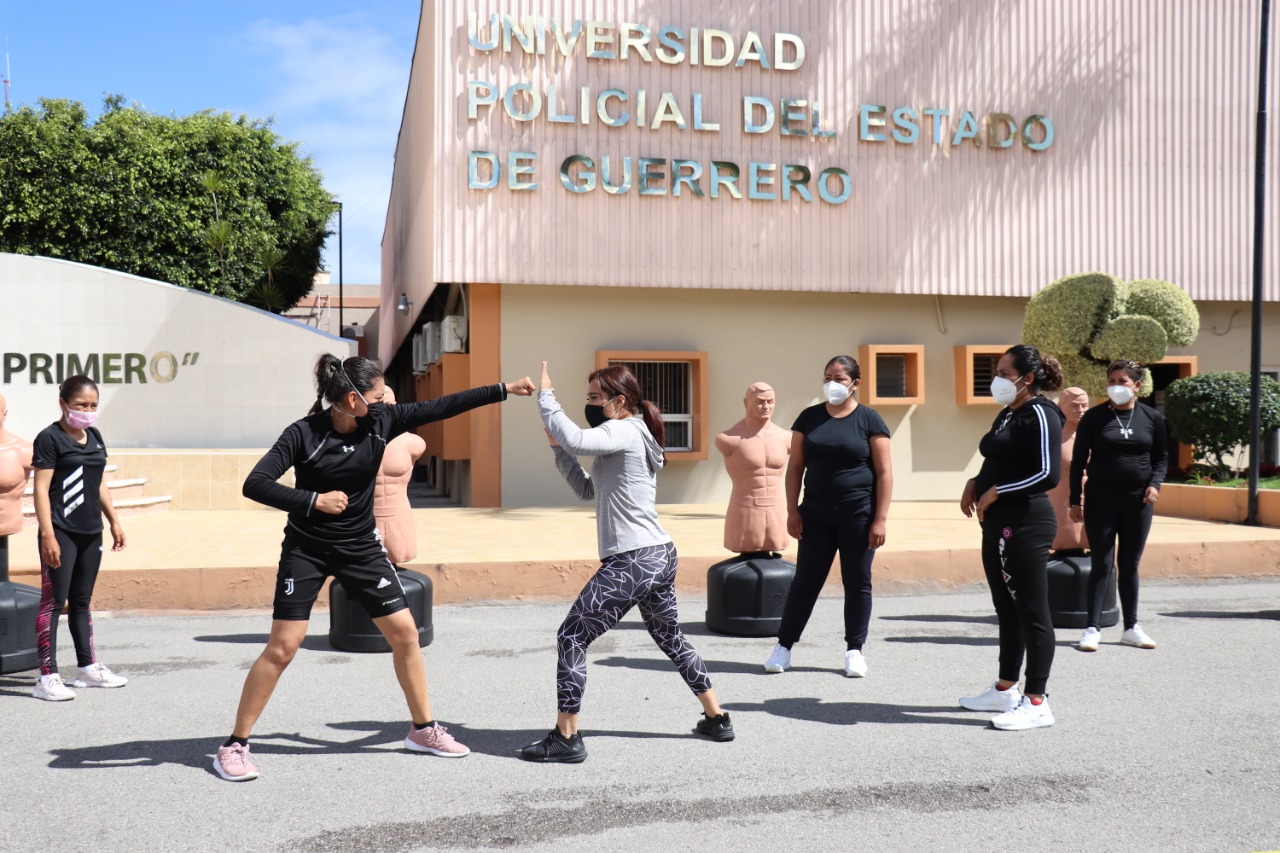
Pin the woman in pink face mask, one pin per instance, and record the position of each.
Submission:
(71, 498)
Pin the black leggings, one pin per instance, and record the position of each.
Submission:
(1106, 516)
(73, 580)
(644, 577)
(1016, 537)
(828, 528)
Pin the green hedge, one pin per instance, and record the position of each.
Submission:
(1211, 412)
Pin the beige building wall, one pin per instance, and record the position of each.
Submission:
(784, 339)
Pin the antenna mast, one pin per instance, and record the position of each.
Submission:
(7, 75)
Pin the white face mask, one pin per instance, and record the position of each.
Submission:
(1120, 394)
(836, 393)
(1003, 391)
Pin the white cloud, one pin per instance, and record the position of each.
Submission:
(337, 86)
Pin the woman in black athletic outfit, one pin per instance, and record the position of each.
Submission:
(1022, 461)
(71, 497)
(335, 454)
(1123, 447)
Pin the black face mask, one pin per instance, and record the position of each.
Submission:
(376, 408)
(595, 415)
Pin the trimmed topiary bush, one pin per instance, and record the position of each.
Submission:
(1211, 412)
(1169, 306)
(1090, 319)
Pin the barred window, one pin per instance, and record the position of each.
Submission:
(975, 368)
(984, 370)
(675, 382)
(892, 374)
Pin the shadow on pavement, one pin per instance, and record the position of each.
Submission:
(937, 617)
(715, 667)
(379, 737)
(198, 752)
(506, 743)
(1224, 614)
(814, 710)
(947, 641)
(313, 642)
(19, 684)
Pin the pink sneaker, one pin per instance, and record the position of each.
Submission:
(234, 763)
(436, 740)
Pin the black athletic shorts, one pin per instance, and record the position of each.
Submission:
(361, 565)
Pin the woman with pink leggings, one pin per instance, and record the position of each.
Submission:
(71, 498)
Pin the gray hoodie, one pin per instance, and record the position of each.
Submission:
(623, 478)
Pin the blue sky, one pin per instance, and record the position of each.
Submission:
(332, 74)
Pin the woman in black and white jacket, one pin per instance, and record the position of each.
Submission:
(1022, 461)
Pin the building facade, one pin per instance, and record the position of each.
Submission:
(723, 192)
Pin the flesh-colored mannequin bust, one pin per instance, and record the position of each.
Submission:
(391, 510)
(15, 463)
(1074, 402)
(755, 455)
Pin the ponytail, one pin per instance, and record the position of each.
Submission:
(653, 420)
(335, 379)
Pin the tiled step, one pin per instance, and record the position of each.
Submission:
(130, 488)
(127, 496)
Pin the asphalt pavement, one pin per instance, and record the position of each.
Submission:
(1171, 749)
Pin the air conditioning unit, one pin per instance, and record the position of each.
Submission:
(430, 342)
(453, 334)
(419, 363)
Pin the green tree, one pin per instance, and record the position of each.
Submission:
(1211, 412)
(190, 200)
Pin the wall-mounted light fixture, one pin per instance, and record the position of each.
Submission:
(403, 305)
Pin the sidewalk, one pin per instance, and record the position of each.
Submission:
(227, 560)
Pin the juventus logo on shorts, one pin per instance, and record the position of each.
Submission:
(288, 586)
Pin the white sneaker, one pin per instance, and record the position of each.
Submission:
(97, 675)
(1135, 636)
(1025, 716)
(50, 688)
(1089, 640)
(779, 661)
(855, 665)
(993, 699)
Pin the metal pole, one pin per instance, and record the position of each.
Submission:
(1259, 208)
(342, 302)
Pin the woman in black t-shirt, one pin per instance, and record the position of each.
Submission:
(1123, 448)
(71, 497)
(840, 454)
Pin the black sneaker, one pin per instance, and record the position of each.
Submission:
(556, 747)
(716, 728)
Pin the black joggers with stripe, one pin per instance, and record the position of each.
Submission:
(1016, 536)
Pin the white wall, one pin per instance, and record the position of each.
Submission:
(247, 373)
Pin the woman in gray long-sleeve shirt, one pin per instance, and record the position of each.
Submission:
(638, 558)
